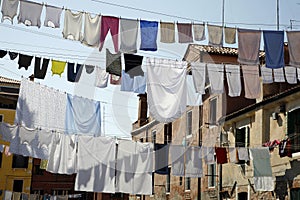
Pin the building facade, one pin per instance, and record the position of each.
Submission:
(15, 170)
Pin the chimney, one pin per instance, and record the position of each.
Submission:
(143, 109)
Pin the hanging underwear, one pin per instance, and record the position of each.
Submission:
(13, 55)
(24, 61)
(89, 69)
(58, 67)
(39, 72)
(2, 53)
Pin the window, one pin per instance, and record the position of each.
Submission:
(242, 140)
(189, 123)
(168, 133)
(242, 195)
(168, 183)
(19, 161)
(18, 186)
(211, 175)
(154, 136)
(213, 111)
(295, 194)
(180, 180)
(153, 183)
(1, 118)
(187, 183)
(242, 137)
(294, 129)
(37, 170)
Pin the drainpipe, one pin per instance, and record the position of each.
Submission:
(200, 144)
(220, 171)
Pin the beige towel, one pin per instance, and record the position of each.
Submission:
(199, 32)
(248, 43)
(230, 35)
(16, 196)
(185, 34)
(215, 35)
(167, 32)
(251, 81)
(294, 50)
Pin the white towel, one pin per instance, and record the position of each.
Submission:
(208, 153)
(134, 167)
(177, 159)
(267, 75)
(101, 78)
(290, 74)
(232, 155)
(243, 153)
(199, 74)
(199, 32)
(263, 183)
(251, 81)
(96, 164)
(279, 75)
(144, 167)
(193, 98)
(193, 161)
(7, 131)
(233, 76)
(166, 87)
(216, 78)
(298, 73)
(40, 106)
(91, 34)
(62, 157)
(7, 195)
(72, 25)
(31, 142)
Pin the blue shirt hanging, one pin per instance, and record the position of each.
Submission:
(274, 48)
(149, 31)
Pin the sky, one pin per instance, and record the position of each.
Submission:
(120, 109)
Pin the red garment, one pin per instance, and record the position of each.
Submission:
(221, 154)
(112, 24)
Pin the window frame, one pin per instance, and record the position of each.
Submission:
(187, 183)
(211, 173)
(189, 123)
(213, 111)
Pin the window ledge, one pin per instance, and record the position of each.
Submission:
(296, 155)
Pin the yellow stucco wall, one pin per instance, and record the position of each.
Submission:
(7, 173)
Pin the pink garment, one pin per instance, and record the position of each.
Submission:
(112, 24)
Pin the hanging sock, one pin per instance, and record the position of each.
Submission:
(39, 72)
(233, 76)
(230, 35)
(251, 81)
(30, 13)
(74, 76)
(72, 25)
(294, 51)
(112, 24)
(149, 31)
(248, 45)
(89, 69)
(58, 67)
(185, 34)
(215, 35)
(9, 9)
(113, 63)
(128, 35)
(91, 34)
(24, 61)
(167, 32)
(199, 32)
(2, 53)
(53, 15)
(13, 55)
(274, 48)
